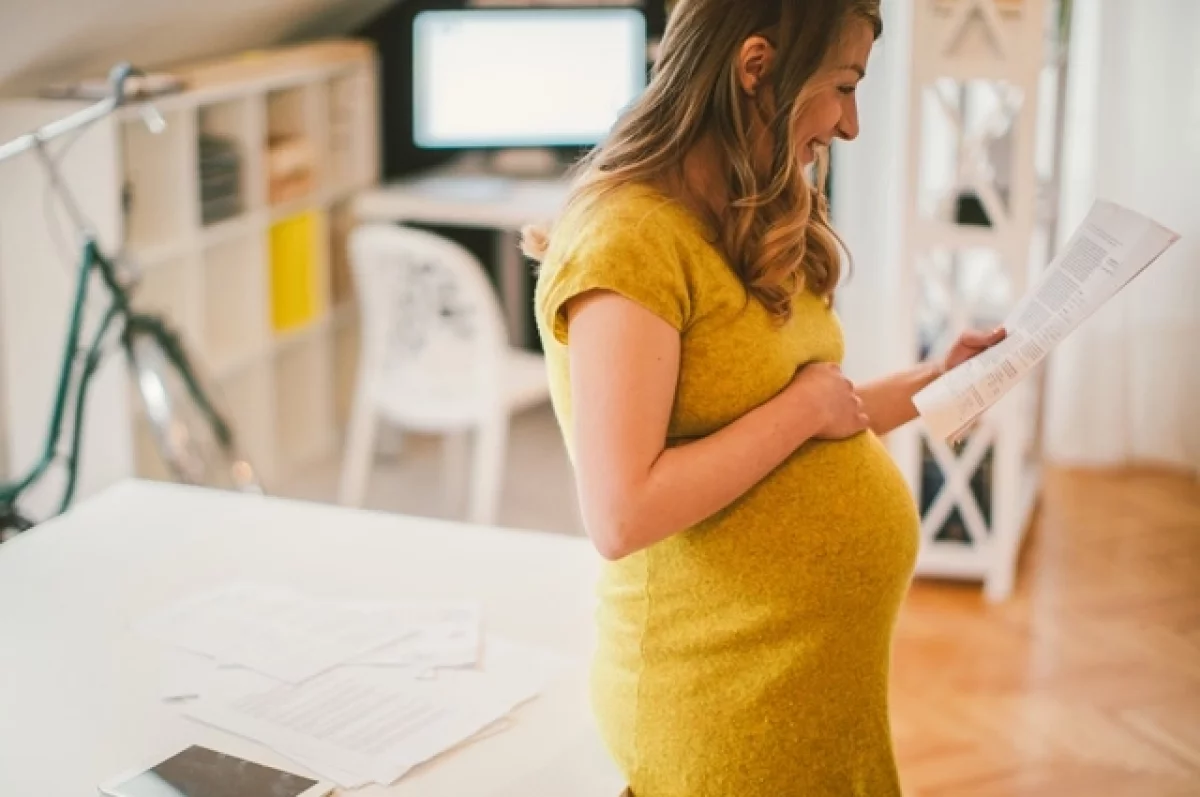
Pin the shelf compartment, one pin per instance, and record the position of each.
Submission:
(347, 98)
(248, 398)
(225, 133)
(147, 461)
(235, 302)
(293, 143)
(187, 419)
(186, 416)
(164, 291)
(972, 44)
(157, 175)
(304, 401)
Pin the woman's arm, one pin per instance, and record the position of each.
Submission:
(888, 401)
(634, 491)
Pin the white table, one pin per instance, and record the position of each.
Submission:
(78, 689)
(468, 197)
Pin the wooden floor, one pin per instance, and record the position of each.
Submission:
(1087, 682)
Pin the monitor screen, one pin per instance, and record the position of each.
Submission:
(524, 77)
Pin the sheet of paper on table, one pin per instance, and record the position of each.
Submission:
(1111, 247)
(292, 637)
(359, 724)
(356, 692)
(441, 635)
(275, 631)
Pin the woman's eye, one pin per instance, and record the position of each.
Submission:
(847, 90)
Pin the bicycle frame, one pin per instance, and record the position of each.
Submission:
(91, 260)
(133, 323)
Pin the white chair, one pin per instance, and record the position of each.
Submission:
(434, 358)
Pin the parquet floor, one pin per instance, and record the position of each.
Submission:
(1087, 682)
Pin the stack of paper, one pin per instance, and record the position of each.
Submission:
(359, 725)
(274, 631)
(356, 692)
(1111, 247)
(291, 637)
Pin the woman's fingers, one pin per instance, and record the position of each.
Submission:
(980, 339)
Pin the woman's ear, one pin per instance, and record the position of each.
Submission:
(754, 63)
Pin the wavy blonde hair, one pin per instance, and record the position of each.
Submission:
(776, 232)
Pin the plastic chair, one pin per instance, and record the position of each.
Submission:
(434, 358)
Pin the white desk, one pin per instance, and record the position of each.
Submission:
(78, 689)
(454, 197)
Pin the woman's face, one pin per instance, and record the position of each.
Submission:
(833, 111)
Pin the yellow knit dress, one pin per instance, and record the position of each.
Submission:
(746, 656)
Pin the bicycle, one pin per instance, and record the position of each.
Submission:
(191, 433)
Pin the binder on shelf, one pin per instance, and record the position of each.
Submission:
(220, 178)
(295, 291)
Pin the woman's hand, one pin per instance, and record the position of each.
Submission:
(824, 389)
(970, 344)
(889, 400)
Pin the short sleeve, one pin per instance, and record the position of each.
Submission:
(628, 254)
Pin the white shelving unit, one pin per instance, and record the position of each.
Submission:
(975, 212)
(256, 280)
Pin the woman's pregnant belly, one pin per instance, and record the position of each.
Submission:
(832, 529)
(765, 631)
(821, 549)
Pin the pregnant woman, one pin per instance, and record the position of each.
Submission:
(759, 537)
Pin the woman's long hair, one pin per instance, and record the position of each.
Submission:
(775, 232)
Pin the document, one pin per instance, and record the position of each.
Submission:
(272, 630)
(440, 635)
(355, 725)
(356, 692)
(1111, 247)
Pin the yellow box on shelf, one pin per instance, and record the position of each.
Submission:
(295, 282)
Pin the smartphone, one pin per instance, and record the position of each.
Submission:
(200, 772)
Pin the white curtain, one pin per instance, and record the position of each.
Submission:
(1125, 387)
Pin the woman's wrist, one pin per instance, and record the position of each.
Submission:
(925, 374)
(807, 415)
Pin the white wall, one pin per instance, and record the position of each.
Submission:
(868, 189)
(1133, 136)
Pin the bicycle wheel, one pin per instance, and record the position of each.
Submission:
(185, 412)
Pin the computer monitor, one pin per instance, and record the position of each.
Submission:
(510, 78)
